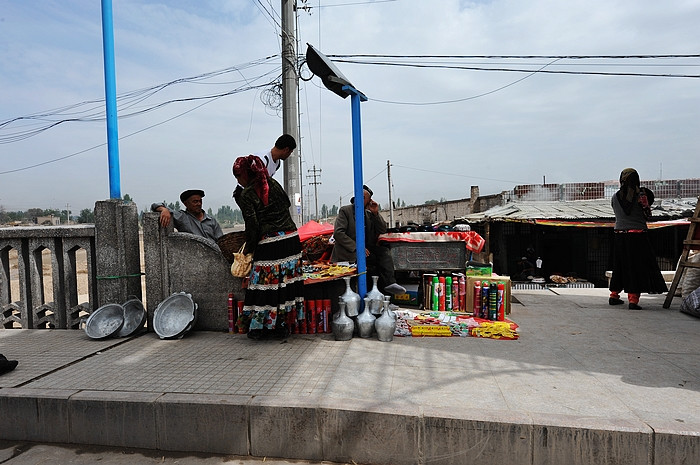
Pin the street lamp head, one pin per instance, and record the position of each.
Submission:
(330, 75)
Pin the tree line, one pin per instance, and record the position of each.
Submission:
(225, 215)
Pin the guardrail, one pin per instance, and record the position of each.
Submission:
(40, 271)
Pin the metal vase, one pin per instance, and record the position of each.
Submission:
(376, 297)
(351, 299)
(365, 320)
(342, 325)
(385, 325)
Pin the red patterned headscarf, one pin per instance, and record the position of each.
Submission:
(252, 171)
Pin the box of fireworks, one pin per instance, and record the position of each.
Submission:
(418, 329)
(478, 269)
(472, 280)
(409, 298)
(427, 285)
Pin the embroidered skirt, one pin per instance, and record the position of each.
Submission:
(276, 283)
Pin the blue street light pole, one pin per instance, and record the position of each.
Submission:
(355, 98)
(111, 100)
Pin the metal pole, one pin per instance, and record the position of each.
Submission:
(355, 98)
(290, 122)
(111, 100)
(391, 201)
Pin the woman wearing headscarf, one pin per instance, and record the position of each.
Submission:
(634, 265)
(275, 285)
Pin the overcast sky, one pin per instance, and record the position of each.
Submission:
(502, 128)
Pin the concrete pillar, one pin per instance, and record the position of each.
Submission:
(473, 199)
(117, 251)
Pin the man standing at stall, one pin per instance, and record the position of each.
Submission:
(379, 261)
(283, 148)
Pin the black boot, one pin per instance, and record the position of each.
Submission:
(7, 365)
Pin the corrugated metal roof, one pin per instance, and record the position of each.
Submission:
(598, 209)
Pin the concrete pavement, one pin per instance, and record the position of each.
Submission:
(585, 383)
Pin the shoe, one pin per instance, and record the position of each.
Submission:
(7, 365)
(634, 306)
(255, 334)
(281, 331)
(395, 289)
(615, 301)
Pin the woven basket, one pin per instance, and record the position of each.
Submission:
(230, 243)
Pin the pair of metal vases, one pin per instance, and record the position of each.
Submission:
(367, 323)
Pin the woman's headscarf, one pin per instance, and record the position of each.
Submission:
(252, 171)
(629, 189)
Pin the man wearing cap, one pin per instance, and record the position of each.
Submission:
(379, 261)
(193, 219)
(283, 148)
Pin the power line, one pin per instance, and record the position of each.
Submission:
(120, 138)
(517, 70)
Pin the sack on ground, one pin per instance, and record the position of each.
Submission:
(691, 304)
(242, 263)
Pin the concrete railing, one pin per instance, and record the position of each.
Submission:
(42, 268)
(42, 262)
(179, 262)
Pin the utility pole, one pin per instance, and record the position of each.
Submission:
(290, 121)
(67, 213)
(315, 183)
(391, 201)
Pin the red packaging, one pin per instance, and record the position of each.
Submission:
(311, 316)
(476, 309)
(441, 293)
(326, 315)
(455, 294)
(501, 302)
(242, 328)
(318, 316)
(462, 294)
(231, 318)
(294, 326)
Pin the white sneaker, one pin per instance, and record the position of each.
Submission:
(395, 289)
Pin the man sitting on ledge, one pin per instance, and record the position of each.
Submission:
(193, 220)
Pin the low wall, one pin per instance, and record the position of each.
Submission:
(180, 262)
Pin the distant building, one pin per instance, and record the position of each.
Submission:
(50, 220)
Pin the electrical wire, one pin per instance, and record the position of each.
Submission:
(93, 110)
(208, 100)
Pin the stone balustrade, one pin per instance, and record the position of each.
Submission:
(46, 300)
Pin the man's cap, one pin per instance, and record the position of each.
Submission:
(189, 193)
(364, 187)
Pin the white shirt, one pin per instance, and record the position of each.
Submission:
(272, 166)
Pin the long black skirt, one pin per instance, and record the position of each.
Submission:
(634, 265)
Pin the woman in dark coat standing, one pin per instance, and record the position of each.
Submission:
(634, 265)
(275, 285)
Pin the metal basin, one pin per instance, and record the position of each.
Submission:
(104, 322)
(174, 316)
(134, 317)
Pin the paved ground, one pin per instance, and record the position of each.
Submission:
(579, 364)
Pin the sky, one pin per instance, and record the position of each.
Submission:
(558, 120)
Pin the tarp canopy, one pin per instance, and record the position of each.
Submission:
(608, 224)
(313, 228)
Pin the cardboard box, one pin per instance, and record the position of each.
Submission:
(493, 278)
(409, 298)
(478, 271)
